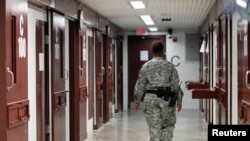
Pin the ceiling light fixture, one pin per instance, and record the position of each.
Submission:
(149, 22)
(153, 29)
(241, 3)
(137, 4)
(147, 19)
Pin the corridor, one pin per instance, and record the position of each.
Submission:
(131, 126)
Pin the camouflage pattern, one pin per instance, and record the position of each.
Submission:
(161, 118)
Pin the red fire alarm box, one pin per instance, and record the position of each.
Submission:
(141, 31)
(174, 39)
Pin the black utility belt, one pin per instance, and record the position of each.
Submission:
(165, 93)
(152, 91)
(162, 92)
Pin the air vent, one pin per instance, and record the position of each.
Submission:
(166, 19)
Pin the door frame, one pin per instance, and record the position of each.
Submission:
(3, 101)
(58, 76)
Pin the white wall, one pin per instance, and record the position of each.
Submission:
(33, 15)
(188, 70)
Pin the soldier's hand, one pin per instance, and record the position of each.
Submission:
(137, 106)
(179, 107)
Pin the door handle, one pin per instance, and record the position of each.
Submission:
(246, 78)
(12, 79)
(81, 70)
(110, 70)
(219, 73)
(103, 71)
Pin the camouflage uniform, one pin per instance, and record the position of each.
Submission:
(161, 118)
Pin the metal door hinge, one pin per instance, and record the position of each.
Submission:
(46, 40)
(47, 129)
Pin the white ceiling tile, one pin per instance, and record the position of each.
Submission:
(185, 14)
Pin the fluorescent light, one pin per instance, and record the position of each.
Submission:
(149, 22)
(137, 4)
(153, 29)
(146, 18)
(241, 3)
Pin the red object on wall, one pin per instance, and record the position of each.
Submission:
(140, 31)
(174, 39)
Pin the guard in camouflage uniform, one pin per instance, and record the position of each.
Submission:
(154, 74)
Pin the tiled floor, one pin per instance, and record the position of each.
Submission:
(131, 126)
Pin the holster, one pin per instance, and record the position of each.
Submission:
(173, 100)
(171, 95)
(161, 92)
(167, 93)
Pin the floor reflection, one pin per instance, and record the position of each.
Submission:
(131, 126)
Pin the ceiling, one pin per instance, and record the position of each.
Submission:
(186, 15)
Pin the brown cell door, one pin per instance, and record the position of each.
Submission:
(217, 61)
(243, 72)
(16, 73)
(206, 77)
(40, 81)
(58, 78)
(136, 44)
(119, 77)
(210, 72)
(108, 95)
(218, 67)
(206, 61)
(83, 85)
(100, 71)
(222, 70)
